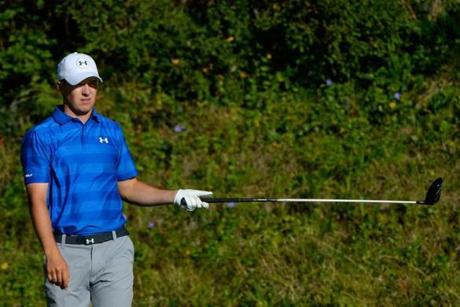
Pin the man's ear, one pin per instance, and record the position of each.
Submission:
(58, 85)
(62, 86)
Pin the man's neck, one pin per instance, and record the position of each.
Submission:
(82, 117)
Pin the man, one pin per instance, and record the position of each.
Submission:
(77, 169)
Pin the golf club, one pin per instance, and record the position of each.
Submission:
(433, 195)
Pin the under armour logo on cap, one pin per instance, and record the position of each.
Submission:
(77, 67)
(82, 63)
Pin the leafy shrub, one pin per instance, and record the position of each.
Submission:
(262, 98)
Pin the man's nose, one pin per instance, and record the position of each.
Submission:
(86, 89)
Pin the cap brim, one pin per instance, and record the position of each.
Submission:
(74, 80)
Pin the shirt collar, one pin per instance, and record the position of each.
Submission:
(96, 116)
(61, 118)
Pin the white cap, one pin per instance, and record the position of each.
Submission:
(76, 67)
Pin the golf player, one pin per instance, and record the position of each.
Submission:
(77, 170)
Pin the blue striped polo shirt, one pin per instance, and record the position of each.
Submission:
(82, 163)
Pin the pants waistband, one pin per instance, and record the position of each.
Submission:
(91, 239)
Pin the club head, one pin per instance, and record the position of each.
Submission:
(434, 192)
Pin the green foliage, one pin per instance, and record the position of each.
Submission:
(256, 98)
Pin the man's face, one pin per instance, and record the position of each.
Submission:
(80, 98)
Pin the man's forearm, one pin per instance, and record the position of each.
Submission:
(140, 193)
(43, 228)
(40, 218)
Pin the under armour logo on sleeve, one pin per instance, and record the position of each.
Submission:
(103, 140)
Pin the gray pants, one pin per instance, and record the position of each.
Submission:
(101, 274)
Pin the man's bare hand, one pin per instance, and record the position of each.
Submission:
(57, 270)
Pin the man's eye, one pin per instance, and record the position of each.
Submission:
(93, 84)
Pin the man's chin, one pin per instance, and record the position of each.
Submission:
(83, 111)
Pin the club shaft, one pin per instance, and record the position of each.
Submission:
(306, 200)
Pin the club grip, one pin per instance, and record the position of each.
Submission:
(183, 202)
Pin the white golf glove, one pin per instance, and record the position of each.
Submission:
(190, 199)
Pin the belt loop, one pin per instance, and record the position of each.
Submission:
(63, 239)
(114, 234)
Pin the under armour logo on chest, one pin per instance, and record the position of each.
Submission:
(103, 140)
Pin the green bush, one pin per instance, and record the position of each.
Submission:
(332, 99)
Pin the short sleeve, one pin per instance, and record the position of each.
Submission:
(35, 158)
(126, 168)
